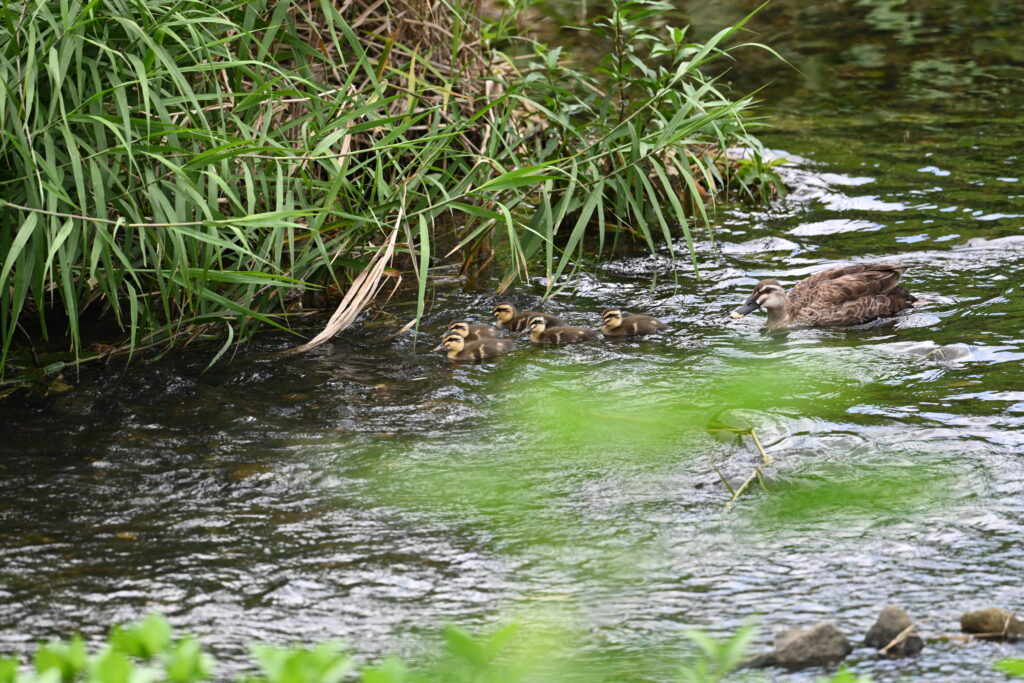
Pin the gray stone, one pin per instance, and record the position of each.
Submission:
(892, 622)
(822, 643)
(992, 622)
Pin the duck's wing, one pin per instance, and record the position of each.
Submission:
(838, 286)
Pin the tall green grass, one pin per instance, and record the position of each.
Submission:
(191, 169)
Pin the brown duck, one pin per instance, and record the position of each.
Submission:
(630, 326)
(511, 319)
(562, 334)
(472, 331)
(848, 295)
(460, 349)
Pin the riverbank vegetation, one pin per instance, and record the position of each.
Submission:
(191, 170)
(150, 652)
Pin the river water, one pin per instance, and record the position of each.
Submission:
(371, 492)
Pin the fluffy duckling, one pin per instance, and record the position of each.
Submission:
(511, 319)
(848, 295)
(460, 349)
(564, 334)
(472, 331)
(630, 326)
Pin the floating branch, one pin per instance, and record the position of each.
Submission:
(756, 474)
(900, 637)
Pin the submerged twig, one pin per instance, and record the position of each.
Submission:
(404, 328)
(900, 637)
(743, 487)
(756, 474)
(967, 637)
(765, 458)
(724, 480)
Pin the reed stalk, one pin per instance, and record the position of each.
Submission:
(178, 165)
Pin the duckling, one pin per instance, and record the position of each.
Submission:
(630, 326)
(850, 295)
(511, 319)
(559, 335)
(472, 331)
(460, 349)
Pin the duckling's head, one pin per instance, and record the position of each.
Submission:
(612, 318)
(537, 325)
(767, 293)
(504, 312)
(453, 343)
(459, 327)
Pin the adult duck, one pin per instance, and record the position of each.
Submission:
(847, 295)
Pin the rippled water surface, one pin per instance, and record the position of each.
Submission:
(371, 492)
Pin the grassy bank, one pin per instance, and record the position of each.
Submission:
(174, 171)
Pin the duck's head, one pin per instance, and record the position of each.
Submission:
(453, 343)
(459, 327)
(504, 312)
(537, 325)
(612, 318)
(767, 293)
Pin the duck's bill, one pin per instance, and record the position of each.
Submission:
(439, 347)
(748, 307)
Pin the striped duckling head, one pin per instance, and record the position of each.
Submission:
(612, 318)
(504, 313)
(452, 343)
(537, 326)
(459, 327)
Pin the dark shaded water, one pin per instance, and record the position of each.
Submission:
(371, 492)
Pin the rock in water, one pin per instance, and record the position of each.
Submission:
(892, 622)
(950, 353)
(993, 623)
(799, 648)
